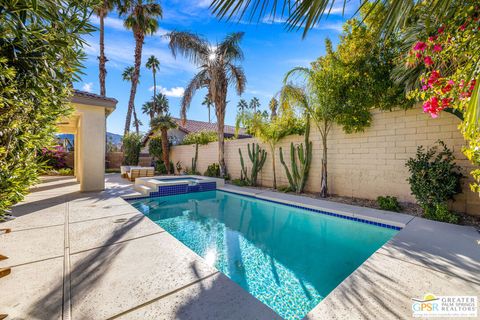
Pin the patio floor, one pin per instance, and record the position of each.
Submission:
(93, 256)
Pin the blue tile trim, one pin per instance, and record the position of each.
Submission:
(383, 225)
(211, 186)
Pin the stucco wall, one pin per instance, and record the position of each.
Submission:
(364, 165)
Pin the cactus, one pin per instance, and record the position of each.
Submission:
(298, 175)
(194, 159)
(257, 157)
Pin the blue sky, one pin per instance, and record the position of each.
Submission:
(270, 51)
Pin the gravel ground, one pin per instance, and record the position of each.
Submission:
(407, 207)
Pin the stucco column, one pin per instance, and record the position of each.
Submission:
(92, 148)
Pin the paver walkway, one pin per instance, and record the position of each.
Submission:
(93, 256)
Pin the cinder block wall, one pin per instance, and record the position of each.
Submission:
(363, 165)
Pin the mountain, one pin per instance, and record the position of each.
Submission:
(68, 139)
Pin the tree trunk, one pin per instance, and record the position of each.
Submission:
(154, 89)
(221, 141)
(135, 120)
(165, 154)
(102, 59)
(138, 61)
(272, 149)
(324, 188)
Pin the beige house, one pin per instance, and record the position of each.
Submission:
(88, 124)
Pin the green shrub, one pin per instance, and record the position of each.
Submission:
(132, 144)
(434, 177)
(213, 170)
(202, 137)
(40, 57)
(284, 189)
(190, 171)
(388, 203)
(112, 170)
(440, 213)
(161, 169)
(65, 172)
(239, 182)
(155, 147)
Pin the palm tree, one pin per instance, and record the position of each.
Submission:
(162, 123)
(217, 72)
(136, 122)
(140, 17)
(154, 65)
(273, 105)
(242, 106)
(127, 75)
(254, 104)
(156, 106)
(102, 11)
(207, 102)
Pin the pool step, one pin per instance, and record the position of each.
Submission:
(145, 190)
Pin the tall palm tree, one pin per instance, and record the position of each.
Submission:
(207, 102)
(102, 11)
(217, 71)
(273, 106)
(127, 75)
(162, 123)
(154, 65)
(140, 17)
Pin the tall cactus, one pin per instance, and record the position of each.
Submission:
(195, 159)
(257, 157)
(298, 175)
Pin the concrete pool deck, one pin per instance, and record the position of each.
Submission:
(93, 256)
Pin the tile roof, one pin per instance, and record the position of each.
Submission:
(79, 93)
(197, 126)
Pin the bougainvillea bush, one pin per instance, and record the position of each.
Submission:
(450, 58)
(53, 158)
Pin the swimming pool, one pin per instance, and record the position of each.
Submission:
(288, 258)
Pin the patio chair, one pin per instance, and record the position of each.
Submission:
(150, 171)
(133, 174)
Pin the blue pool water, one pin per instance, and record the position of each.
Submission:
(286, 257)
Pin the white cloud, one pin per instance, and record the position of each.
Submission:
(176, 92)
(113, 23)
(88, 87)
(272, 20)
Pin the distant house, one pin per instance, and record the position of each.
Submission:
(176, 135)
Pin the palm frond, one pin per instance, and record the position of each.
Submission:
(298, 71)
(229, 48)
(189, 45)
(237, 76)
(199, 80)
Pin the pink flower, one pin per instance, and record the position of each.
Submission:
(424, 87)
(446, 102)
(447, 88)
(440, 30)
(420, 46)
(428, 60)
(437, 48)
(418, 55)
(431, 106)
(451, 82)
(434, 76)
(432, 38)
(463, 27)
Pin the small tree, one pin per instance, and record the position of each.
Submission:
(132, 144)
(272, 131)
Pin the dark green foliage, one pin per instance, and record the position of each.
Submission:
(388, 203)
(239, 182)
(40, 56)
(199, 138)
(213, 170)
(132, 143)
(300, 161)
(284, 189)
(155, 147)
(434, 178)
(161, 169)
(441, 213)
(257, 156)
